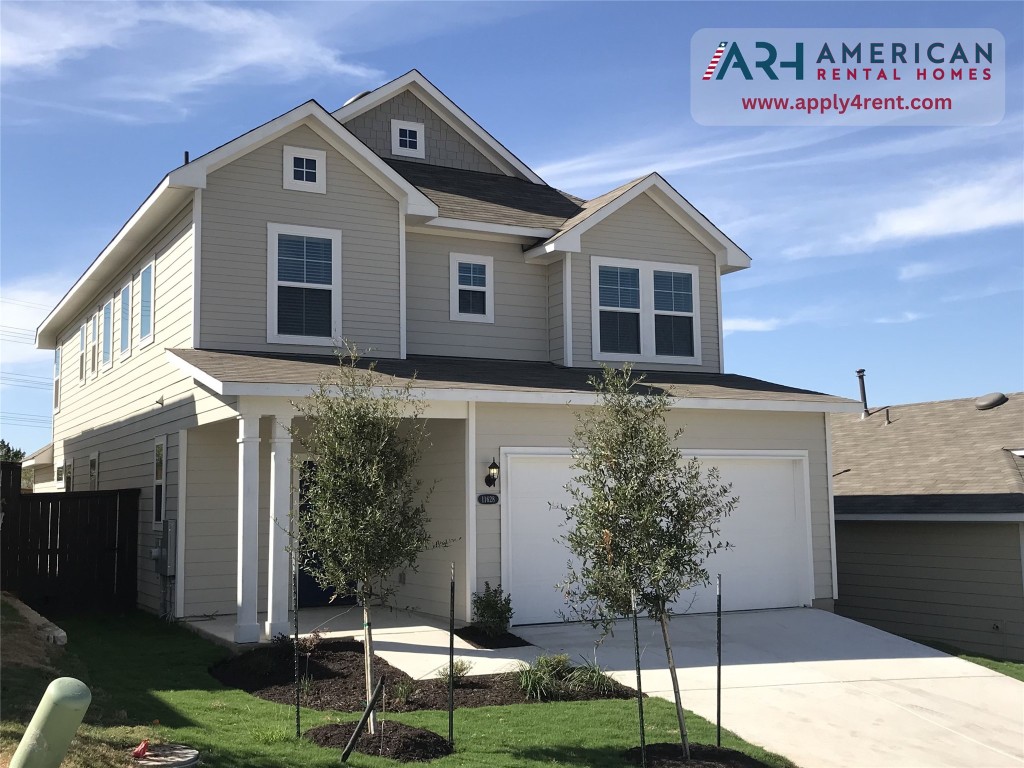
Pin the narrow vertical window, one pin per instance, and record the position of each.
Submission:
(94, 471)
(93, 340)
(146, 305)
(81, 353)
(107, 340)
(159, 459)
(619, 290)
(56, 379)
(69, 475)
(126, 321)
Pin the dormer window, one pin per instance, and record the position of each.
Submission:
(407, 139)
(305, 170)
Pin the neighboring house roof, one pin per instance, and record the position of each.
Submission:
(488, 197)
(244, 373)
(41, 458)
(938, 458)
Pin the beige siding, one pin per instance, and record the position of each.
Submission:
(951, 583)
(545, 426)
(642, 230)
(556, 313)
(519, 330)
(116, 414)
(444, 145)
(238, 202)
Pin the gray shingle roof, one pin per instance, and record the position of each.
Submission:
(932, 458)
(455, 373)
(489, 197)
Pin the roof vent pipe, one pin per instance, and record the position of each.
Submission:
(863, 394)
(186, 157)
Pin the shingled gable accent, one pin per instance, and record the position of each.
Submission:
(450, 112)
(730, 257)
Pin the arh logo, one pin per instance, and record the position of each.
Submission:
(734, 59)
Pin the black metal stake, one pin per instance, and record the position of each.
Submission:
(451, 662)
(362, 720)
(718, 696)
(639, 688)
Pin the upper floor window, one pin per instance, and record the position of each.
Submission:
(304, 284)
(107, 341)
(305, 170)
(56, 379)
(407, 139)
(644, 311)
(81, 353)
(93, 340)
(146, 305)
(126, 321)
(471, 292)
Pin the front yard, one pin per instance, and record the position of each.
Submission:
(150, 680)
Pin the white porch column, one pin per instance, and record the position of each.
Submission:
(247, 628)
(278, 570)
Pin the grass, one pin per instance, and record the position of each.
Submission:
(1014, 669)
(149, 680)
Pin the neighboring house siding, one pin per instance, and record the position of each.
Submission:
(941, 582)
(519, 330)
(556, 313)
(238, 202)
(642, 230)
(541, 426)
(444, 145)
(116, 414)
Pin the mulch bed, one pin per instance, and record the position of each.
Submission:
(397, 741)
(701, 756)
(478, 639)
(335, 681)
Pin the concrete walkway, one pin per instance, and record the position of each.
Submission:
(823, 690)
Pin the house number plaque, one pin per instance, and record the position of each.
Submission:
(487, 498)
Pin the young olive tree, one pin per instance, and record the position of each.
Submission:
(363, 514)
(641, 522)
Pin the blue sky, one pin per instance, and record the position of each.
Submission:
(899, 250)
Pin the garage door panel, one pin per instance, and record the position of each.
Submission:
(766, 567)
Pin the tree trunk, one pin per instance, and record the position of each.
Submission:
(368, 658)
(675, 686)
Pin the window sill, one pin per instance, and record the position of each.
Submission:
(311, 341)
(665, 359)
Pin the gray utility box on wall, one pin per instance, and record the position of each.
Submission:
(167, 557)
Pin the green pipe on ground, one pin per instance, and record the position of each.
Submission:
(53, 725)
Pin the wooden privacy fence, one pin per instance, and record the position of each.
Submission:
(71, 552)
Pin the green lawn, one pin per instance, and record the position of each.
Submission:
(149, 679)
(1014, 669)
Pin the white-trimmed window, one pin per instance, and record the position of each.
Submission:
(125, 320)
(146, 279)
(471, 280)
(305, 170)
(93, 343)
(645, 311)
(69, 475)
(304, 285)
(94, 471)
(159, 474)
(56, 379)
(407, 139)
(107, 339)
(81, 354)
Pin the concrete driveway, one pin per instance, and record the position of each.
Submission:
(821, 689)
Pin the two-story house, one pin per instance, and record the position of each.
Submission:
(399, 224)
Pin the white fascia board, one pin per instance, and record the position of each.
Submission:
(1009, 517)
(463, 124)
(199, 375)
(520, 233)
(41, 458)
(328, 128)
(551, 251)
(161, 203)
(729, 256)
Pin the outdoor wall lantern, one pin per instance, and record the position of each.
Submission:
(492, 474)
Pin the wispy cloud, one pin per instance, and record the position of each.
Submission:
(24, 304)
(918, 270)
(755, 324)
(904, 317)
(1013, 284)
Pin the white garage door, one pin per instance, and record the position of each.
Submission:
(768, 566)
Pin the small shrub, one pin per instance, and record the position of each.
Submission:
(492, 611)
(402, 690)
(536, 682)
(309, 644)
(557, 666)
(306, 685)
(459, 670)
(589, 676)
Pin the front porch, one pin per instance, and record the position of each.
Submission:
(238, 487)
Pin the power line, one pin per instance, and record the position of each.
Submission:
(25, 376)
(25, 303)
(25, 385)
